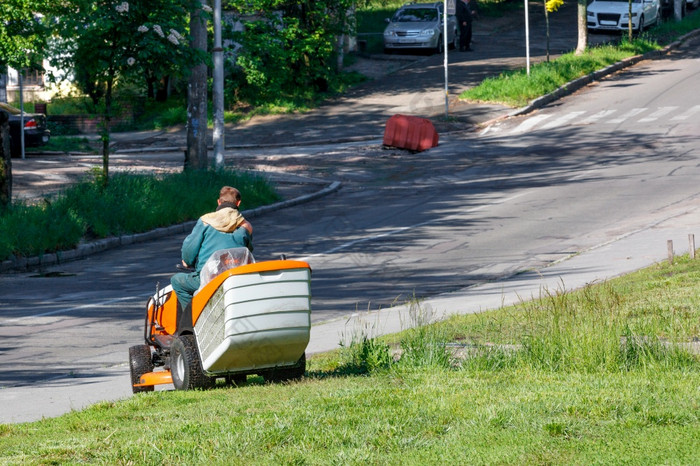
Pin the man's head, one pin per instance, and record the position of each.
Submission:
(229, 195)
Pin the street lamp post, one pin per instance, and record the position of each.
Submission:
(218, 88)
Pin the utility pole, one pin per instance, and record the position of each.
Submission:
(21, 112)
(527, 37)
(196, 152)
(218, 91)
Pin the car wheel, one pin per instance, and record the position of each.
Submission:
(186, 366)
(140, 363)
(440, 47)
(640, 28)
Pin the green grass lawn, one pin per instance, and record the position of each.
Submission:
(65, 144)
(628, 394)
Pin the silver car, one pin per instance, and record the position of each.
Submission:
(419, 26)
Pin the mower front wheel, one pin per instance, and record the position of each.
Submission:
(186, 366)
(140, 363)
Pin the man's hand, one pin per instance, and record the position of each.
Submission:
(247, 226)
(185, 265)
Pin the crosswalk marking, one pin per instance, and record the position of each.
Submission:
(630, 114)
(687, 114)
(657, 114)
(530, 123)
(562, 120)
(597, 116)
(554, 120)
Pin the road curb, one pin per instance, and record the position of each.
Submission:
(272, 145)
(83, 250)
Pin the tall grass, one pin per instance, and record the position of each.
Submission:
(131, 203)
(592, 330)
(421, 345)
(597, 329)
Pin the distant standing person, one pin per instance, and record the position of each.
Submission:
(466, 12)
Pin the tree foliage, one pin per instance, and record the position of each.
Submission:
(22, 33)
(286, 46)
(553, 5)
(105, 41)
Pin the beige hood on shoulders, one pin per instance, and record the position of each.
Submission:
(225, 220)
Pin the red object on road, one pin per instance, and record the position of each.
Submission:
(410, 132)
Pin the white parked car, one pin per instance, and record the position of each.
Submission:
(613, 15)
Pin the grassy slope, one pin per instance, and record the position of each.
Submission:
(514, 409)
(402, 417)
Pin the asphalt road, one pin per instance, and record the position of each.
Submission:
(530, 191)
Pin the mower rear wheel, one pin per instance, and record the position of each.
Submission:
(140, 363)
(186, 366)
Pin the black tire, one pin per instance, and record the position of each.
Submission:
(285, 374)
(440, 48)
(140, 363)
(185, 365)
(641, 25)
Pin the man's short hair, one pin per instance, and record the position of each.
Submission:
(229, 194)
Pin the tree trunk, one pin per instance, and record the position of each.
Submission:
(630, 32)
(196, 153)
(151, 86)
(582, 28)
(5, 162)
(163, 89)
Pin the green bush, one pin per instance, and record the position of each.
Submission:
(130, 203)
